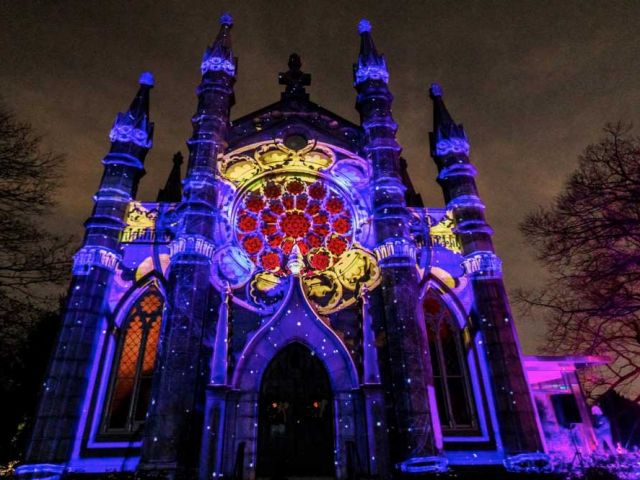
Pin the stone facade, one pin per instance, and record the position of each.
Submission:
(290, 307)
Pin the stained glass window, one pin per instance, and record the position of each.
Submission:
(130, 388)
(450, 374)
(295, 210)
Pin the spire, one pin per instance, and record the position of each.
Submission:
(133, 126)
(448, 136)
(371, 65)
(172, 191)
(219, 56)
(294, 78)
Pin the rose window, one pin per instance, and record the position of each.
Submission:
(274, 217)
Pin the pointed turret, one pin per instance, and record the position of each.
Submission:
(447, 136)
(490, 317)
(408, 406)
(371, 65)
(219, 56)
(131, 139)
(189, 313)
(172, 191)
(94, 265)
(133, 126)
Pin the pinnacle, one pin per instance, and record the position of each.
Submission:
(226, 19)
(146, 78)
(364, 26)
(435, 90)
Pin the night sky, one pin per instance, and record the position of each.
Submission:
(533, 82)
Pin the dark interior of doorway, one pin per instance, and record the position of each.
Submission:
(295, 435)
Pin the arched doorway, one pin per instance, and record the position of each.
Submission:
(295, 433)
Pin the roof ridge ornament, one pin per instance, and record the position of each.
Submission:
(294, 78)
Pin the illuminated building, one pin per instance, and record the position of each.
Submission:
(290, 307)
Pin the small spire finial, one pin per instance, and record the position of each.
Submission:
(435, 90)
(226, 19)
(364, 26)
(295, 262)
(146, 78)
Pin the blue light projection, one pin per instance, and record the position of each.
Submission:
(133, 126)
(277, 242)
(370, 66)
(219, 58)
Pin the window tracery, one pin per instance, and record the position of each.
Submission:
(278, 215)
(130, 387)
(456, 407)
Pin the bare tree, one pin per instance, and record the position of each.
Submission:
(33, 264)
(589, 241)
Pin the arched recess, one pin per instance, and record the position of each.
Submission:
(435, 284)
(295, 322)
(459, 379)
(295, 429)
(128, 364)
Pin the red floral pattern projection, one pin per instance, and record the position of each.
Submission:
(279, 214)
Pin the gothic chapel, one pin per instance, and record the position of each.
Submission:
(290, 308)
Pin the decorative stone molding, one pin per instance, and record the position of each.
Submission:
(458, 170)
(42, 471)
(431, 464)
(124, 133)
(465, 201)
(483, 264)
(88, 257)
(372, 72)
(447, 146)
(192, 245)
(536, 462)
(394, 249)
(217, 64)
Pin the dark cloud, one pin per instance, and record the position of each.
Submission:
(533, 82)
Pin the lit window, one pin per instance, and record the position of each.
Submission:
(132, 373)
(450, 375)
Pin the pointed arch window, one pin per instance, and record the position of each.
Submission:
(456, 406)
(130, 387)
